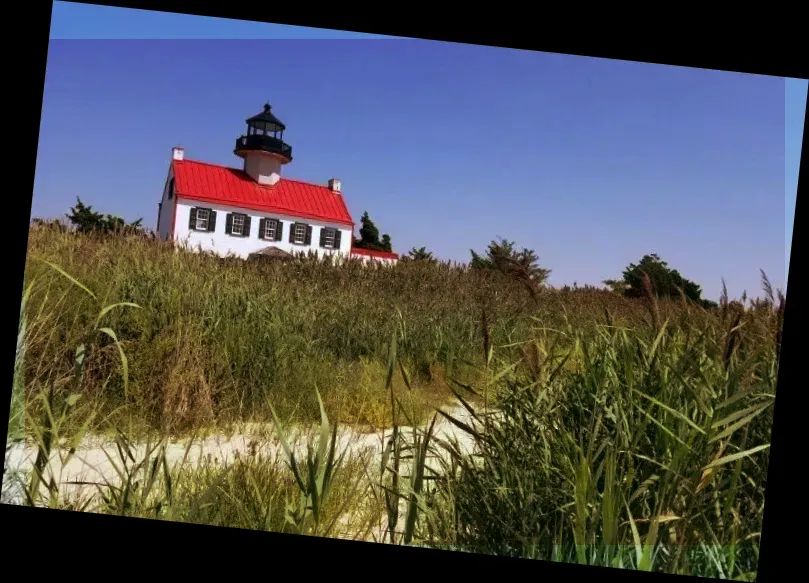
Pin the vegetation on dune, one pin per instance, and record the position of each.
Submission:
(503, 256)
(621, 429)
(219, 336)
(85, 220)
(664, 281)
(522, 266)
(420, 254)
(650, 451)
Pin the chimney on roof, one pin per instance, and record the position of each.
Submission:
(334, 185)
(177, 153)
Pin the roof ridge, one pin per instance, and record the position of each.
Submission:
(298, 180)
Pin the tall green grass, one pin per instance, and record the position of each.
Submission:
(641, 447)
(219, 337)
(609, 432)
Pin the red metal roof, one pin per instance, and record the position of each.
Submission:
(229, 186)
(374, 253)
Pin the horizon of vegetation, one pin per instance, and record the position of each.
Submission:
(501, 254)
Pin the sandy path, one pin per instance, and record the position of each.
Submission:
(92, 463)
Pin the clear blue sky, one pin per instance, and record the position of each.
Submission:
(590, 162)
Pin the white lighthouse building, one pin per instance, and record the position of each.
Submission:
(241, 211)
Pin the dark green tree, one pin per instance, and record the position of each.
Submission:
(369, 236)
(385, 243)
(421, 254)
(665, 282)
(85, 220)
(503, 256)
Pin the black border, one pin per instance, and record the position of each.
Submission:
(708, 40)
(73, 540)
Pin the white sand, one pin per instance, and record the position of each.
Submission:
(93, 460)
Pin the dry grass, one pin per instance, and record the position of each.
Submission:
(217, 338)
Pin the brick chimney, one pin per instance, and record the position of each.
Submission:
(334, 185)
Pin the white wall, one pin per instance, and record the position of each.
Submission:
(262, 168)
(223, 244)
(166, 209)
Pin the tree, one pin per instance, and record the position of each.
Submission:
(421, 254)
(480, 262)
(385, 243)
(502, 256)
(369, 236)
(665, 282)
(85, 220)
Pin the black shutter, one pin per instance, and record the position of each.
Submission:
(192, 222)
(211, 220)
(228, 224)
(262, 224)
(279, 229)
(337, 234)
(323, 236)
(246, 232)
(292, 232)
(308, 239)
(159, 208)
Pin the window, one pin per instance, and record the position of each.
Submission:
(203, 215)
(171, 189)
(202, 219)
(299, 234)
(270, 227)
(328, 238)
(238, 225)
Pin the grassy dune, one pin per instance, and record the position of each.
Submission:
(215, 339)
(629, 433)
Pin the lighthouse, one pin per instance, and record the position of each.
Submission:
(263, 148)
(253, 210)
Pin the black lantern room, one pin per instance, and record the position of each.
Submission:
(265, 133)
